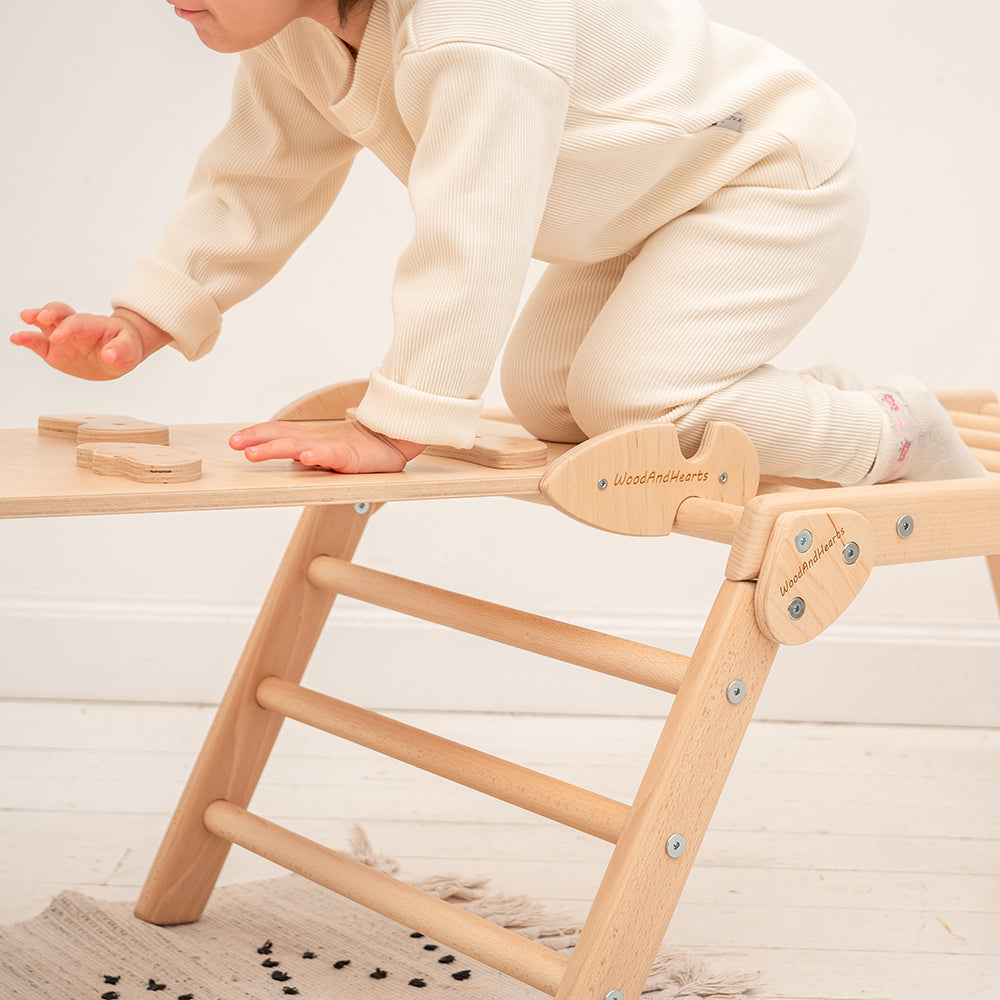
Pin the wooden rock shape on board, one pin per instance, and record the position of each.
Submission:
(142, 463)
(87, 427)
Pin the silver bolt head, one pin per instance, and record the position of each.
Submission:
(851, 552)
(904, 526)
(675, 845)
(736, 692)
(614, 995)
(602, 483)
(723, 477)
(804, 540)
(362, 508)
(797, 609)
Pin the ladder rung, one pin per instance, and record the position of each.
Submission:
(510, 953)
(538, 793)
(633, 661)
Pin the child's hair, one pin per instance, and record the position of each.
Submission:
(344, 8)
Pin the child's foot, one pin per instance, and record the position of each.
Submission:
(918, 440)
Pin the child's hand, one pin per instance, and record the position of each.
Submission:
(88, 346)
(340, 446)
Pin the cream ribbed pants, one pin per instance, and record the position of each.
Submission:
(682, 329)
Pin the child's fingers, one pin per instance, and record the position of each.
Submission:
(33, 340)
(123, 350)
(51, 314)
(270, 430)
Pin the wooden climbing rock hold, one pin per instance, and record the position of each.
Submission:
(143, 463)
(633, 480)
(86, 427)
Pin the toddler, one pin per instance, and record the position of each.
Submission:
(695, 191)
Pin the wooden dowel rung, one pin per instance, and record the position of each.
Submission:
(607, 654)
(991, 409)
(967, 400)
(510, 953)
(976, 421)
(708, 519)
(990, 460)
(520, 786)
(989, 440)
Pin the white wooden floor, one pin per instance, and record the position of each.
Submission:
(845, 861)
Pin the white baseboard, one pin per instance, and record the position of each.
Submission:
(121, 649)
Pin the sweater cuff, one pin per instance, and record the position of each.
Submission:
(425, 418)
(174, 303)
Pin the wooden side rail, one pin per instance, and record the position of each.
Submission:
(606, 654)
(505, 950)
(520, 786)
(912, 522)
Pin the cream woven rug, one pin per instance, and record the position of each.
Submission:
(288, 937)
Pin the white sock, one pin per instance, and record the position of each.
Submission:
(918, 440)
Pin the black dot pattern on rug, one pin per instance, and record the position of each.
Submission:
(112, 980)
(275, 956)
(187, 996)
(154, 987)
(110, 996)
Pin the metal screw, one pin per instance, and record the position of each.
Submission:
(362, 508)
(723, 477)
(676, 844)
(736, 692)
(614, 995)
(851, 552)
(796, 609)
(904, 526)
(602, 483)
(804, 540)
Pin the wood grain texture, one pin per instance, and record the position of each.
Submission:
(633, 481)
(142, 463)
(805, 586)
(83, 427)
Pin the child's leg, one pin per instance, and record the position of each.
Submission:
(710, 299)
(545, 340)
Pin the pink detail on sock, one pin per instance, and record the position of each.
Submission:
(904, 449)
(890, 402)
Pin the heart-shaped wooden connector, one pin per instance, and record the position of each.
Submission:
(143, 463)
(633, 480)
(84, 427)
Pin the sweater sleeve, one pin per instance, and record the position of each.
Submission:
(487, 125)
(258, 190)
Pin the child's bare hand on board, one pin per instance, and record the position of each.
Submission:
(340, 446)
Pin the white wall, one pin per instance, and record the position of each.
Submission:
(106, 107)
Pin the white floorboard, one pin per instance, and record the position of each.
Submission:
(844, 861)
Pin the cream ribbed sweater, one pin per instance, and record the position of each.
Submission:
(567, 130)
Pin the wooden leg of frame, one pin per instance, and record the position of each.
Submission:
(993, 562)
(241, 738)
(671, 812)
